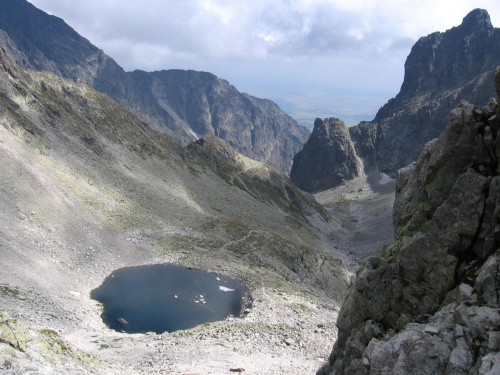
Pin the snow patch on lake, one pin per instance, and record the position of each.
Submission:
(224, 289)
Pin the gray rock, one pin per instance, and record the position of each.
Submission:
(328, 158)
(464, 293)
(489, 364)
(401, 323)
(459, 331)
(431, 330)
(494, 341)
(461, 359)
(366, 362)
(410, 352)
(487, 283)
(446, 211)
(441, 70)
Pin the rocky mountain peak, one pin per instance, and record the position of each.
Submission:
(441, 70)
(46, 43)
(327, 159)
(323, 128)
(448, 60)
(478, 19)
(183, 104)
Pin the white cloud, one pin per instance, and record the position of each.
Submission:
(359, 44)
(224, 14)
(284, 28)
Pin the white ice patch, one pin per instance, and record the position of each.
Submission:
(224, 289)
(385, 179)
(76, 294)
(194, 134)
(166, 106)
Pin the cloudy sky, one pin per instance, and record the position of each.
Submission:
(315, 58)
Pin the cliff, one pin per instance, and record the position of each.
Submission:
(430, 303)
(327, 159)
(441, 70)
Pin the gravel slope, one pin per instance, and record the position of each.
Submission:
(87, 188)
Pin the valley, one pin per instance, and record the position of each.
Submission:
(102, 169)
(81, 201)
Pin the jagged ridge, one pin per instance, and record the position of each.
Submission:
(441, 70)
(183, 104)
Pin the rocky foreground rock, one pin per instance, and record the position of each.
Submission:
(24, 350)
(430, 303)
(327, 159)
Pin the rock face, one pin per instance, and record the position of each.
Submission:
(430, 303)
(327, 159)
(441, 70)
(188, 104)
(183, 104)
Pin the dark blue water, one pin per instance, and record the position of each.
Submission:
(166, 298)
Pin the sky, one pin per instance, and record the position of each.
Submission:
(314, 58)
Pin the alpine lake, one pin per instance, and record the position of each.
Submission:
(165, 298)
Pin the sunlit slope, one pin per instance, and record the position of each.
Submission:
(87, 187)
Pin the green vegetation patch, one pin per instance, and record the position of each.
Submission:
(6, 291)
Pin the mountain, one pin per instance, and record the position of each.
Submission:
(441, 70)
(429, 304)
(327, 159)
(183, 104)
(87, 187)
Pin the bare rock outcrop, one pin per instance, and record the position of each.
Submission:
(24, 350)
(441, 70)
(327, 159)
(430, 303)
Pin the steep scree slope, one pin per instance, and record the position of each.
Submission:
(183, 104)
(430, 303)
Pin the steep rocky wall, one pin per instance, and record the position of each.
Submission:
(327, 159)
(187, 104)
(430, 303)
(441, 70)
